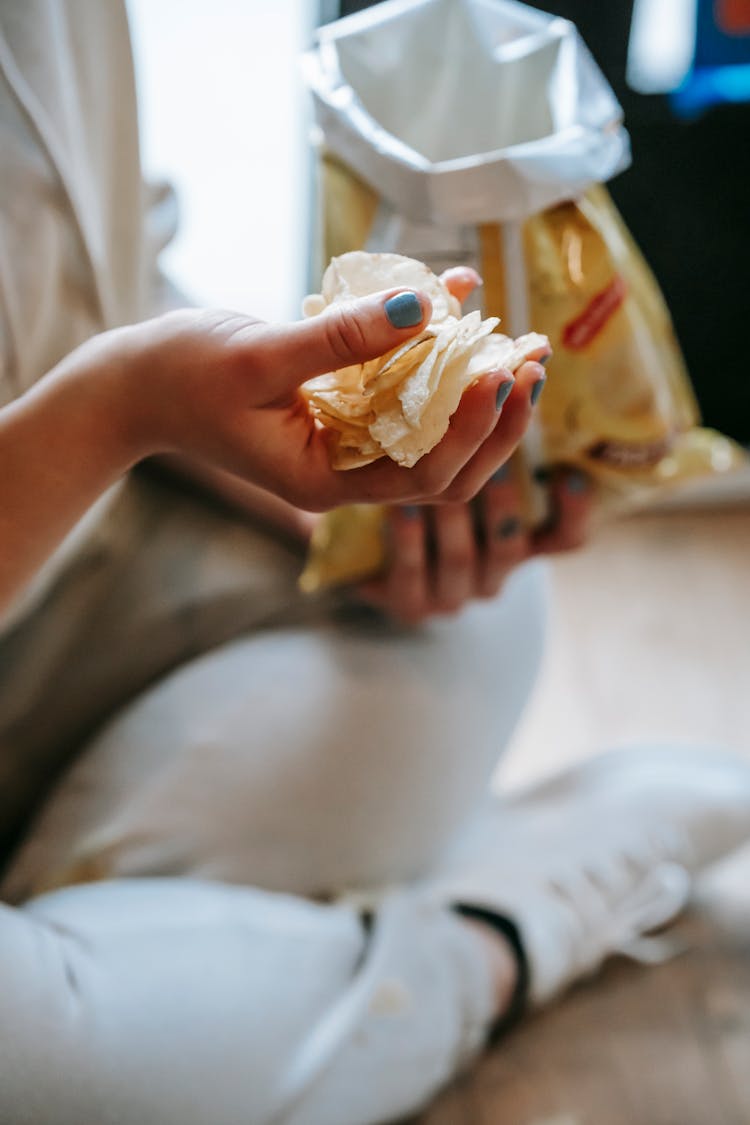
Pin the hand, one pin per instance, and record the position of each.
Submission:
(250, 500)
(224, 388)
(442, 557)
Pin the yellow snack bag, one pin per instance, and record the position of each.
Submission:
(618, 404)
(347, 545)
(501, 168)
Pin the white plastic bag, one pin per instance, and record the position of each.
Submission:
(429, 102)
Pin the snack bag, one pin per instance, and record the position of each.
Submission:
(510, 132)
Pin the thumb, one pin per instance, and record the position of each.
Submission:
(342, 335)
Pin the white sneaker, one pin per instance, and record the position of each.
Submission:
(590, 861)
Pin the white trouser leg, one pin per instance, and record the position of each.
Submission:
(304, 761)
(176, 1002)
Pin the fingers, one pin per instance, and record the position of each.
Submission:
(473, 422)
(516, 414)
(404, 591)
(506, 542)
(437, 558)
(461, 281)
(455, 572)
(348, 333)
(482, 435)
(571, 496)
(432, 566)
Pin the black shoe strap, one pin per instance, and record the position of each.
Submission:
(507, 929)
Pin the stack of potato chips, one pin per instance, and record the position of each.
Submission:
(400, 404)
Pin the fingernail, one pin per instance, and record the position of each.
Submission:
(508, 528)
(536, 390)
(503, 391)
(545, 359)
(576, 482)
(410, 511)
(403, 310)
(502, 474)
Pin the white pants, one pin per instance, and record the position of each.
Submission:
(175, 1002)
(297, 762)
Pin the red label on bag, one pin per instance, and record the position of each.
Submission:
(579, 333)
(733, 16)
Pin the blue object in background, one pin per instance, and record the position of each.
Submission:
(720, 71)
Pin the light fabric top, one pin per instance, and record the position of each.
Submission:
(79, 231)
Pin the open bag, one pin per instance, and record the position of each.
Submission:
(480, 132)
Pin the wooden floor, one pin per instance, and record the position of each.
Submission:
(650, 641)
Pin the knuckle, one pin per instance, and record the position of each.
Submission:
(409, 569)
(458, 558)
(462, 492)
(434, 480)
(572, 540)
(345, 334)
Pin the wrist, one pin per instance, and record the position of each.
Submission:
(100, 381)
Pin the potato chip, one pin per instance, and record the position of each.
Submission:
(455, 339)
(391, 374)
(400, 404)
(358, 274)
(501, 351)
(347, 407)
(419, 386)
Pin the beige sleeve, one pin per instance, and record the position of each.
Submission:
(46, 304)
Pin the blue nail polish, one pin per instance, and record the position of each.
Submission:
(501, 475)
(536, 390)
(576, 482)
(410, 511)
(503, 393)
(403, 310)
(509, 527)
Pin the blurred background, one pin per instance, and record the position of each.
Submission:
(226, 118)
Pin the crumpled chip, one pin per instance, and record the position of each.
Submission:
(400, 404)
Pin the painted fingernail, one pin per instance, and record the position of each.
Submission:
(501, 475)
(576, 482)
(503, 392)
(545, 359)
(410, 511)
(403, 310)
(509, 527)
(536, 390)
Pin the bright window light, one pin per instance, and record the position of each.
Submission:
(224, 117)
(662, 40)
